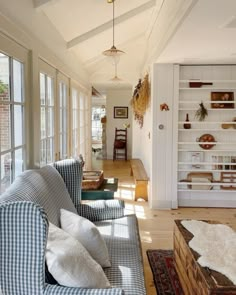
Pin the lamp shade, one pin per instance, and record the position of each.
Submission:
(113, 53)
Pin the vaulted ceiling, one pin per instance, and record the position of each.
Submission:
(142, 29)
(172, 31)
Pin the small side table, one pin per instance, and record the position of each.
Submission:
(104, 192)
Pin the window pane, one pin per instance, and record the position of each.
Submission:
(64, 120)
(43, 153)
(5, 172)
(60, 94)
(42, 89)
(50, 91)
(17, 81)
(50, 150)
(64, 145)
(18, 162)
(61, 146)
(47, 118)
(18, 124)
(61, 116)
(5, 127)
(81, 135)
(81, 118)
(43, 123)
(4, 78)
(50, 122)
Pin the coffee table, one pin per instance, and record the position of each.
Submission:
(196, 280)
(104, 192)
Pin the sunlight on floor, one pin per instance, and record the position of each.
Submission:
(135, 209)
(146, 237)
(125, 191)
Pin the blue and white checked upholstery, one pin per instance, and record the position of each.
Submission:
(102, 209)
(43, 186)
(59, 290)
(123, 242)
(23, 236)
(24, 228)
(71, 171)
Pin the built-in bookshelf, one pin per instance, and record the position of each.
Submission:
(207, 149)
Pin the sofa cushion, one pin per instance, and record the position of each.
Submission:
(123, 242)
(43, 186)
(70, 263)
(101, 209)
(87, 234)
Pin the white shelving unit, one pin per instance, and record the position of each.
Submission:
(212, 171)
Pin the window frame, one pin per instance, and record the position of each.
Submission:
(15, 52)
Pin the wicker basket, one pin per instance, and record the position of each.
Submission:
(92, 180)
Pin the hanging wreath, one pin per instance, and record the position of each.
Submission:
(141, 99)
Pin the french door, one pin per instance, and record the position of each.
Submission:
(47, 80)
(13, 71)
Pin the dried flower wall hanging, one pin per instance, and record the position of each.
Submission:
(141, 99)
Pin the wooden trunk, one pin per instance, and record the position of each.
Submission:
(196, 280)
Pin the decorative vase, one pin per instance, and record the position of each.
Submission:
(187, 125)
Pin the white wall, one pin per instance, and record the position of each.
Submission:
(119, 97)
(162, 190)
(141, 139)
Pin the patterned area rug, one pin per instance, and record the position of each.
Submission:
(164, 274)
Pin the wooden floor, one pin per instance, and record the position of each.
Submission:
(156, 226)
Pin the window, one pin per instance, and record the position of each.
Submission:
(46, 119)
(12, 123)
(98, 112)
(63, 133)
(75, 122)
(82, 124)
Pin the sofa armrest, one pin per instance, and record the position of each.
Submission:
(60, 290)
(102, 209)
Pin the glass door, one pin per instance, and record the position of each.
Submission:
(12, 120)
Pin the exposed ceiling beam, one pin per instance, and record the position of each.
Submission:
(108, 25)
(40, 3)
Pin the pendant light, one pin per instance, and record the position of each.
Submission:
(116, 78)
(113, 53)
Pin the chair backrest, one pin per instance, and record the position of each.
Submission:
(121, 135)
(43, 186)
(23, 237)
(71, 170)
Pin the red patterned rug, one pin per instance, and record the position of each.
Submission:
(164, 274)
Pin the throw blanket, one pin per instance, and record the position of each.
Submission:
(216, 245)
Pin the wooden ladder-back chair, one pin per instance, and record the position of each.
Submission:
(120, 144)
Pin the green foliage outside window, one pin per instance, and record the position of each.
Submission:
(3, 87)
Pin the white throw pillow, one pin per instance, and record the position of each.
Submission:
(70, 263)
(87, 234)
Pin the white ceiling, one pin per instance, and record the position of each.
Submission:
(142, 27)
(175, 31)
(207, 35)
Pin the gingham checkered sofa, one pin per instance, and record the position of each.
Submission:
(35, 198)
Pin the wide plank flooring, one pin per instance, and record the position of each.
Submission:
(155, 226)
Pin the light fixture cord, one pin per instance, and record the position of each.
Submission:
(113, 5)
(115, 70)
